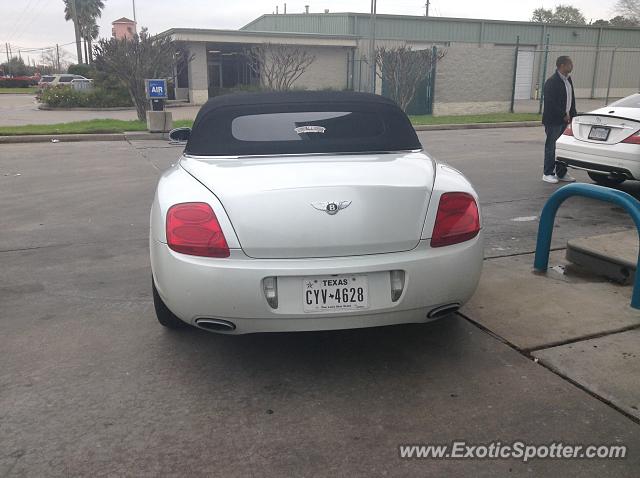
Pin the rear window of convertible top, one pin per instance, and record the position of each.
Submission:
(241, 132)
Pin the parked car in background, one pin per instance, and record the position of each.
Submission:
(47, 81)
(605, 142)
(309, 211)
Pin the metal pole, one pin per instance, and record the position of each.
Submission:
(372, 46)
(613, 57)
(6, 47)
(596, 65)
(543, 73)
(515, 74)
(135, 20)
(427, 7)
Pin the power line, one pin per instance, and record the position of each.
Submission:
(36, 49)
(31, 19)
(19, 20)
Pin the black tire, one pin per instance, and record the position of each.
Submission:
(605, 180)
(164, 315)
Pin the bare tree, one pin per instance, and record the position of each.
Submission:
(133, 60)
(278, 66)
(629, 9)
(403, 68)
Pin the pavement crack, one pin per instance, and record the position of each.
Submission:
(67, 244)
(633, 418)
(582, 338)
(525, 253)
(527, 353)
(512, 200)
(139, 152)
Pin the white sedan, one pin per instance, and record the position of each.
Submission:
(309, 211)
(604, 142)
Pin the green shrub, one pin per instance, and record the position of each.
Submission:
(67, 97)
(22, 82)
(63, 97)
(111, 98)
(83, 70)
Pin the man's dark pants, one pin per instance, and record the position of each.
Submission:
(553, 131)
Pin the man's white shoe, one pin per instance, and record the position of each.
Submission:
(550, 178)
(567, 178)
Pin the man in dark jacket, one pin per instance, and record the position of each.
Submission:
(559, 109)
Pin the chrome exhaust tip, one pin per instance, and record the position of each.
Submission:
(443, 311)
(215, 325)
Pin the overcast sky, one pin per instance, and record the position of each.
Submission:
(40, 23)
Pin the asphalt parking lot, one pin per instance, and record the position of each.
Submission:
(90, 384)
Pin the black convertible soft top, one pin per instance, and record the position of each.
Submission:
(300, 122)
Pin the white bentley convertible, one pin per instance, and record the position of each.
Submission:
(309, 211)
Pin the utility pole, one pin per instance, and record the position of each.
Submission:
(372, 45)
(426, 6)
(74, 13)
(6, 47)
(58, 57)
(135, 20)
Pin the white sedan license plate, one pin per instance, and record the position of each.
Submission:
(599, 133)
(335, 293)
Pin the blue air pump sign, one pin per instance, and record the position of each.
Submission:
(156, 89)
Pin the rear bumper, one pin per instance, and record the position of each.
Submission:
(622, 160)
(599, 168)
(231, 289)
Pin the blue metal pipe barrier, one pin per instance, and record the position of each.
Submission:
(548, 215)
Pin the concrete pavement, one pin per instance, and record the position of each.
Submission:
(92, 385)
(23, 109)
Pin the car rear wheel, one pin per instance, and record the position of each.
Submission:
(164, 315)
(605, 180)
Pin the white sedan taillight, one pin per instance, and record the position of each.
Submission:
(458, 220)
(193, 228)
(633, 139)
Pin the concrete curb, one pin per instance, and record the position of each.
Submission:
(68, 138)
(613, 256)
(43, 107)
(137, 136)
(513, 124)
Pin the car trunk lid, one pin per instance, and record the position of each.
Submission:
(609, 125)
(321, 205)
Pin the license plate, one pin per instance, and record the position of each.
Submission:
(335, 293)
(599, 133)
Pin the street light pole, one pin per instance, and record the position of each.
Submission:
(134, 15)
(372, 45)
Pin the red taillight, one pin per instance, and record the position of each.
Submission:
(633, 139)
(457, 220)
(568, 131)
(193, 228)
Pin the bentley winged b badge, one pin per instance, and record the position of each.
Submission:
(331, 208)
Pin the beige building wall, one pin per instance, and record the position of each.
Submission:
(329, 69)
